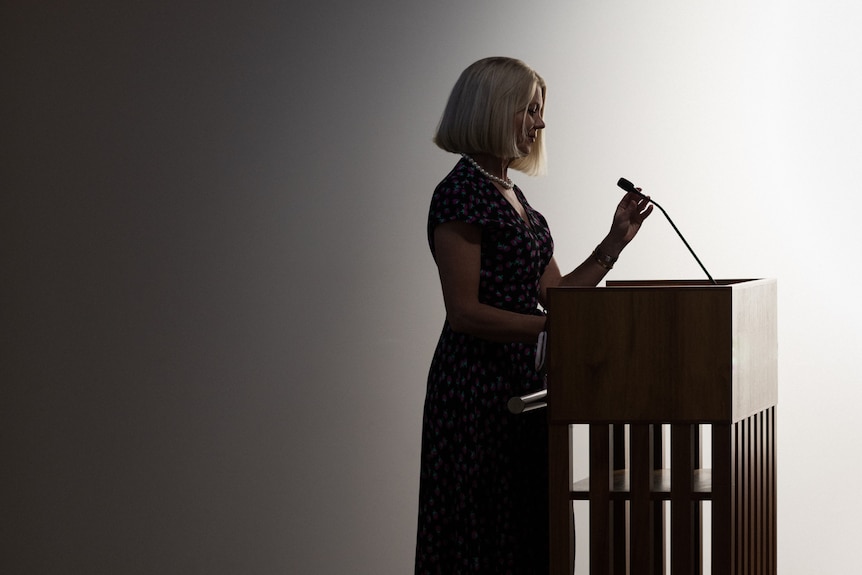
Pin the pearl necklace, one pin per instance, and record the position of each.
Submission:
(507, 183)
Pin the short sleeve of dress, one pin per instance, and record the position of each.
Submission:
(458, 198)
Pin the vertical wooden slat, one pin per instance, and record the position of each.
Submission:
(640, 523)
(659, 554)
(761, 498)
(749, 495)
(767, 489)
(722, 499)
(618, 506)
(764, 494)
(682, 548)
(754, 502)
(562, 524)
(737, 489)
(772, 566)
(601, 540)
(746, 496)
(697, 507)
(740, 499)
(756, 498)
(752, 494)
(755, 492)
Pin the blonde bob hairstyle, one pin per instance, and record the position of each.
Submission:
(478, 118)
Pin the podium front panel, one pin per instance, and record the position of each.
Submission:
(662, 351)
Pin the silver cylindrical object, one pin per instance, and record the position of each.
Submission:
(528, 402)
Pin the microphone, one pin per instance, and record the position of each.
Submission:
(630, 187)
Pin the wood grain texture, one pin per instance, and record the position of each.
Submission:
(662, 352)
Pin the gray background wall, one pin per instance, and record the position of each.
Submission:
(218, 305)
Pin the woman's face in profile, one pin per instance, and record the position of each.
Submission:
(528, 121)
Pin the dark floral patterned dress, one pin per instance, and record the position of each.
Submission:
(483, 493)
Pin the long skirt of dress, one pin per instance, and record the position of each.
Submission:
(483, 496)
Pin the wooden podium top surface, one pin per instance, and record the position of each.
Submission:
(662, 351)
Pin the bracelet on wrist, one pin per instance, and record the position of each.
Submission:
(604, 259)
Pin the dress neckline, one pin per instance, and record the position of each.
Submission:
(519, 197)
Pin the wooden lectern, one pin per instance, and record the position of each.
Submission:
(633, 357)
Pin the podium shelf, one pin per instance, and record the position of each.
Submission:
(660, 489)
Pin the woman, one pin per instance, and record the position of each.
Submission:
(483, 486)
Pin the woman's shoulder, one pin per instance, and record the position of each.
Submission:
(463, 195)
(463, 181)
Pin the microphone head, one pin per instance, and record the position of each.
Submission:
(627, 186)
